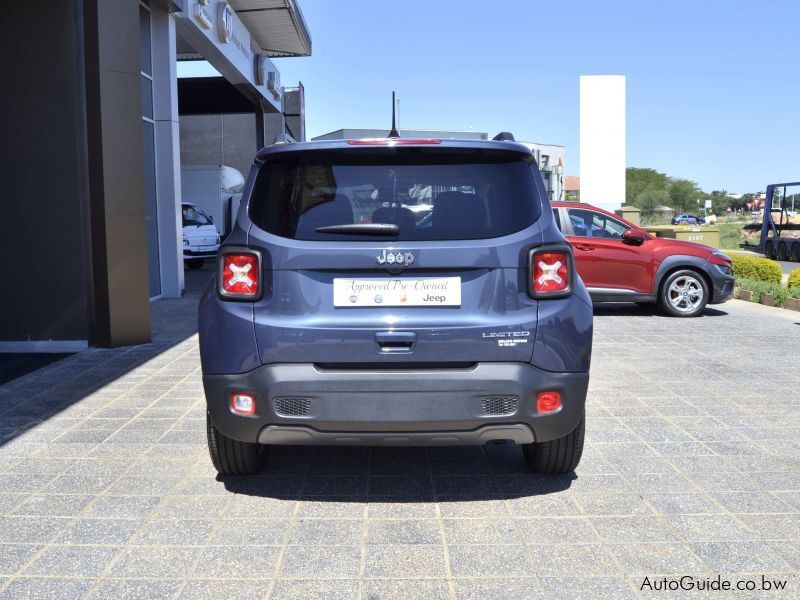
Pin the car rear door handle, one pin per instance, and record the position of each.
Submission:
(584, 248)
(395, 341)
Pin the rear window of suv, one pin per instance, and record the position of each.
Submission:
(428, 194)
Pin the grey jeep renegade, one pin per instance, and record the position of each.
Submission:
(395, 292)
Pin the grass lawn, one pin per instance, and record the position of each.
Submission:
(729, 235)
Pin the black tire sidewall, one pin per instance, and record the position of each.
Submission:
(232, 457)
(546, 458)
(664, 298)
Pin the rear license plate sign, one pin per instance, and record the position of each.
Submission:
(426, 291)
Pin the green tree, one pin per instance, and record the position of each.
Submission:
(640, 180)
(648, 188)
(684, 194)
(648, 202)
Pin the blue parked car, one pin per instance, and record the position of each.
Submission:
(340, 314)
(687, 219)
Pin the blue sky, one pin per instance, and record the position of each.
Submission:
(706, 98)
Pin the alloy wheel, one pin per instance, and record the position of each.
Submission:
(685, 294)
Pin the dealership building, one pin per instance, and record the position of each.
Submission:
(92, 120)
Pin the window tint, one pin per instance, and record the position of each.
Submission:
(429, 195)
(192, 215)
(588, 223)
(557, 217)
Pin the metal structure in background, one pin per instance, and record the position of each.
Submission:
(779, 240)
(294, 111)
(550, 158)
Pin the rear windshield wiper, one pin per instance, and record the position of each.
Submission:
(361, 229)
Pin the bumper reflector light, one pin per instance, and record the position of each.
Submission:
(243, 404)
(548, 401)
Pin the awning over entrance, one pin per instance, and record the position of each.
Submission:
(277, 26)
(238, 38)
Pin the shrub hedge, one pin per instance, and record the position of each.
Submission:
(779, 292)
(794, 278)
(754, 267)
(759, 287)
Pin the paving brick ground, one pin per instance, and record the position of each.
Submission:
(692, 467)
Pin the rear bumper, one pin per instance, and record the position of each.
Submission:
(396, 407)
(299, 435)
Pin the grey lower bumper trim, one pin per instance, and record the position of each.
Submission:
(367, 406)
(287, 435)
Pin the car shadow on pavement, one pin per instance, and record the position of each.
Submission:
(396, 474)
(644, 310)
(101, 382)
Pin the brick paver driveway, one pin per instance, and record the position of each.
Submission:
(692, 467)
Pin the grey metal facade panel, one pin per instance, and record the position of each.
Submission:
(184, 50)
(120, 311)
(43, 237)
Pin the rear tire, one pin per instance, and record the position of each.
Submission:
(769, 251)
(684, 293)
(556, 457)
(232, 457)
(782, 253)
(796, 252)
(195, 263)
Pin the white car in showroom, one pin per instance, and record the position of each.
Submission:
(200, 237)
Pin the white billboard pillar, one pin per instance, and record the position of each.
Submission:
(602, 140)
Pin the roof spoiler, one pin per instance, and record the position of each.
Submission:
(504, 136)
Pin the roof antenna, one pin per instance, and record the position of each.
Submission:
(393, 133)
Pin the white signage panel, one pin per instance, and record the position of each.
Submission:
(215, 31)
(405, 291)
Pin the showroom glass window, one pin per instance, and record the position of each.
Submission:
(148, 136)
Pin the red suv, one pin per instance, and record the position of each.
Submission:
(619, 262)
